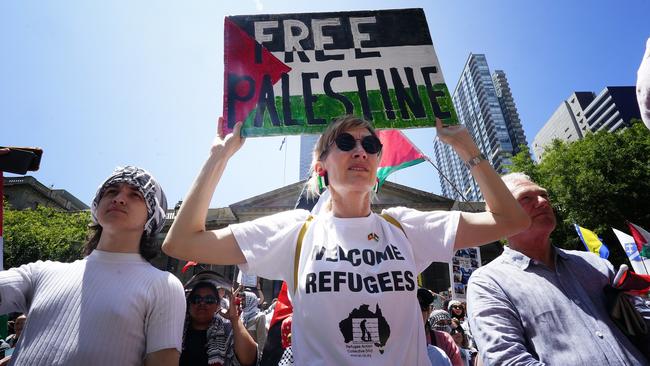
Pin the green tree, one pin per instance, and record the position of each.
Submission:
(598, 182)
(43, 234)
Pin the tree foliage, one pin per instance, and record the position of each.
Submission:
(598, 182)
(43, 234)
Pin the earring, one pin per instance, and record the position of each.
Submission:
(375, 188)
(323, 182)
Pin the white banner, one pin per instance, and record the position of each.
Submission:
(639, 264)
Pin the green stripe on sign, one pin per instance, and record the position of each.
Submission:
(328, 108)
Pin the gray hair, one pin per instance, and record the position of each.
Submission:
(511, 179)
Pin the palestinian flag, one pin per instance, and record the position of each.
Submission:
(397, 153)
(642, 239)
(290, 74)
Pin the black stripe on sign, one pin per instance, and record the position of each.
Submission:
(397, 27)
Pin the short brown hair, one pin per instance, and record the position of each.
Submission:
(321, 149)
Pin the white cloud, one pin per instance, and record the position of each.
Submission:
(258, 5)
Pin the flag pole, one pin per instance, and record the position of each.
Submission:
(450, 183)
(441, 173)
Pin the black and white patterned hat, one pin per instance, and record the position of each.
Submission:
(152, 192)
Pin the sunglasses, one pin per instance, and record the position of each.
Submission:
(346, 142)
(208, 299)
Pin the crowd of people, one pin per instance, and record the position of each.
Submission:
(350, 294)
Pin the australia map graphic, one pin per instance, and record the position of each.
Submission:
(362, 326)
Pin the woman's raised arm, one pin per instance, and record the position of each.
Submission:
(187, 238)
(504, 216)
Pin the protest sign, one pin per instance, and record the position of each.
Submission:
(287, 74)
(463, 264)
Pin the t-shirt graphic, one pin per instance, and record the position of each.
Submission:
(362, 330)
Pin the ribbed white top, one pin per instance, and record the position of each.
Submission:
(107, 309)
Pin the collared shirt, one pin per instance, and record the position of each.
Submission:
(522, 312)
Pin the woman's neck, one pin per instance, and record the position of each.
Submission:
(350, 204)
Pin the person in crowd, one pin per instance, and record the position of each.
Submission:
(436, 338)
(112, 307)
(460, 338)
(537, 304)
(276, 350)
(254, 319)
(19, 324)
(440, 320)
(643, 85)
(212, 336)
(224, 298)
(457, 311)
(349, 263)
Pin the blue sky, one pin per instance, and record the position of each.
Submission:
(101, 84)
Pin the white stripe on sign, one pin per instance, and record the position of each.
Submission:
(399, 57)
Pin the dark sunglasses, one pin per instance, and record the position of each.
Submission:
(346, 142)
(208, 299)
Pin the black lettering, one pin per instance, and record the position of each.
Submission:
(368, 257)
(371, 285)
(288, 56)
(397, 280)
(233, 97)
(397, 253)
(355, 286)
(321, 56)
(310, 284)
(327, 85)
(286, 102)
(324, 278)
(310, 99)
(258, 53)
(354, 256)
(403, 99)
(343, 256)
(410, 284)
(339, 278)
(384, 281)
(360, 54)
(318, 253)
(434, 94)
(385, 96)
(266, 101)
(360, 75)
(382, 256)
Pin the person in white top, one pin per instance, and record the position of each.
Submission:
(353, 282)
(112, 307)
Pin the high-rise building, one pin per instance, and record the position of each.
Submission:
(485, 105)
(307, 143)
(567, 123)
(584, 112)
(507, 102)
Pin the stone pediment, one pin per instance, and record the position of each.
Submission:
(285, 198)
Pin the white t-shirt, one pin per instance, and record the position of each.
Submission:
(107, 309)
(356, 298)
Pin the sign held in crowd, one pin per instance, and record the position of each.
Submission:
(288, 74)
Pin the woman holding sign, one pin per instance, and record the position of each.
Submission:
(351, 273)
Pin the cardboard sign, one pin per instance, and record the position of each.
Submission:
(288, 74)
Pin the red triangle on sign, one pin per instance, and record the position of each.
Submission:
(239, 60)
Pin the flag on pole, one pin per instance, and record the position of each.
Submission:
(397, 153)
(188, 265)
(592, 242)
(629, 245)
(642, 239)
